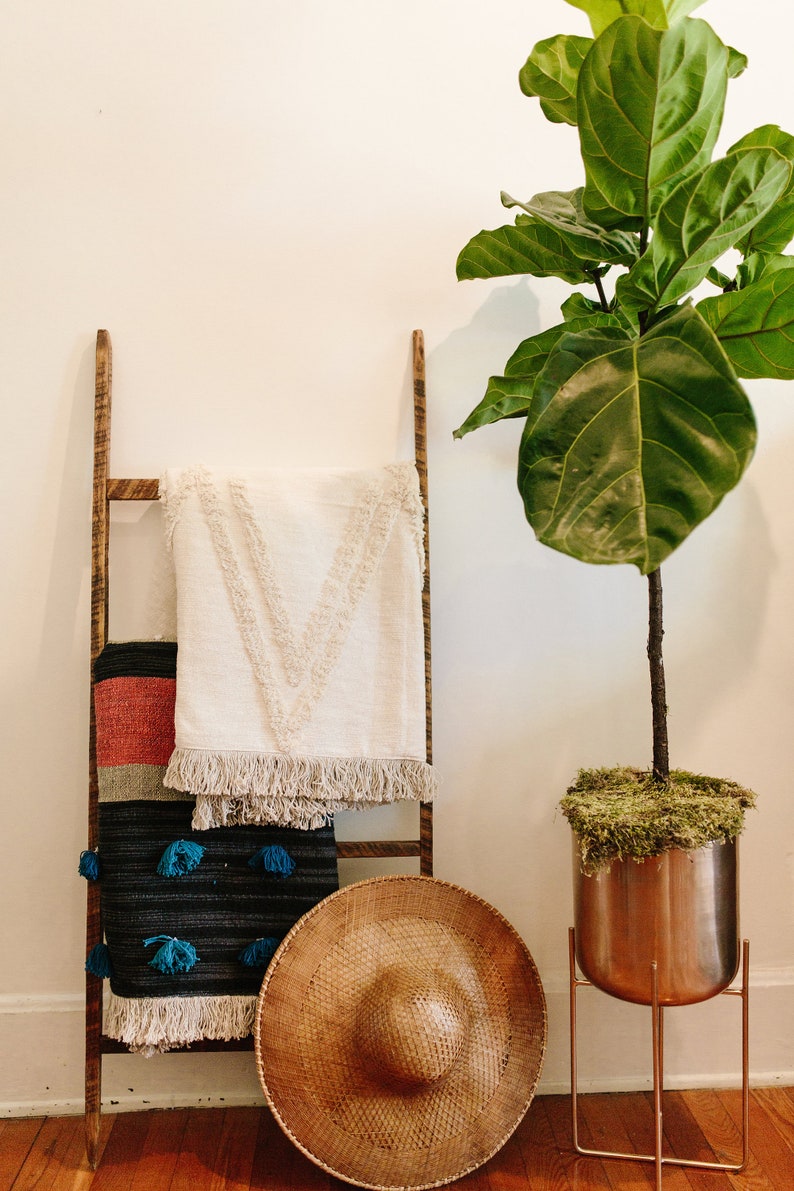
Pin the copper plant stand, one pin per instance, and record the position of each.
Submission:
(659, 1159)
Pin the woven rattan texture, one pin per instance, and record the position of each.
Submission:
(400, 1032)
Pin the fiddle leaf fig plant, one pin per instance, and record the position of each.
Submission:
(636, 422)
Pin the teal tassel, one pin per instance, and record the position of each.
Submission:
(259, 953)
(89, 865)
(98, 961)
(180, 857)
(273, 859)
(175, 955)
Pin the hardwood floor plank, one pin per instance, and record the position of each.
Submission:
(122, 1152)
(541, 1159)
(636, 1112)
(57, 1161)
(780, 1111)
(720, 1130)
(686, 1139)
(199, 1149)
(771, 1163)
(82, 1175)
(478, 1180)
(47, 1157)
(583, 1174)
(510, 1167)
(164, 1132)
(236, 1149)
(279, 1164)
(16, 1139)
(519, 1163)
(602, 1113)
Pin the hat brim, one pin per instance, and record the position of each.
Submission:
(354, 1122)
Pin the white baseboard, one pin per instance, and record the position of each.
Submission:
(758, 1079)
(28, 1003)
(42, 1043)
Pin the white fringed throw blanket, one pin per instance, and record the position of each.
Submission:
(300, 672)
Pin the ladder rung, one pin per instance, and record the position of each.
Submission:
(133, 489)
(354, 849)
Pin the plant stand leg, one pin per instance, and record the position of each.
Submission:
(657, 1024)
(658, 1076)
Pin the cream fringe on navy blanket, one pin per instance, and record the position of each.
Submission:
(152, 1025)
(300, 672)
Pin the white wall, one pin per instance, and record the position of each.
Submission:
(260, 200)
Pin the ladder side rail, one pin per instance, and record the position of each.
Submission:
(100, 538)
(420, 449)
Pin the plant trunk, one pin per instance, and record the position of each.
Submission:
(661, 757)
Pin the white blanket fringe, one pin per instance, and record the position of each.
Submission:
(235, 789)
(153, 1025)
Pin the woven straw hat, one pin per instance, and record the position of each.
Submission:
(400, 1032)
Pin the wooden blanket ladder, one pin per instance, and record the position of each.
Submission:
(105, 491)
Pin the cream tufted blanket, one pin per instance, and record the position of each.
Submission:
(300, 672)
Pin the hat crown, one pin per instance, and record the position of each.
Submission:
(413, 1025)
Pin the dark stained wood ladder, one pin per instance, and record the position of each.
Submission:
(105, 490)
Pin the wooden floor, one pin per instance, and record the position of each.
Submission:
(242, 1149)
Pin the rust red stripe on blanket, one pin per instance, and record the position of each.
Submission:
(135, 720)
(134, 696)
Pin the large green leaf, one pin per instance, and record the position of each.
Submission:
(701, 220)
(577, 307)
(737, 63)
(550, 72)
(563, 211)
(720, 279)
(510, 396)
(676, 9)
(757, 265)
(631, 443)
(660, 13)
(527, 246)
(650, 105)
(756, 325)
(505, 397)
(530, 356)
(774, 232)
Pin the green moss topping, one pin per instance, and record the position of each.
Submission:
(623, 812)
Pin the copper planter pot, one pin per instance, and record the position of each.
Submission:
(679, 910)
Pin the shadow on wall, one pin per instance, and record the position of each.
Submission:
(718, 590)
(48, 699)
(462, 363)
(66, 512)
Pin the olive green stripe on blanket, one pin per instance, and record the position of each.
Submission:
(125, 783)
